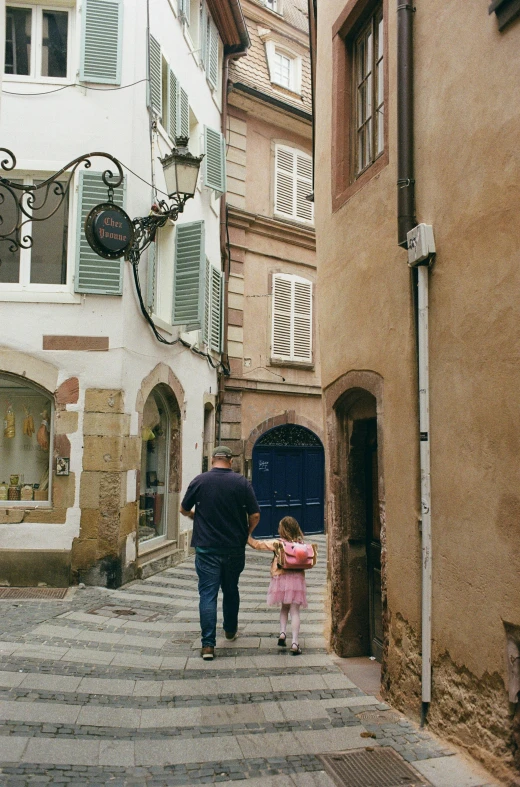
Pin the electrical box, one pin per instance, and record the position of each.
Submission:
(421, 245)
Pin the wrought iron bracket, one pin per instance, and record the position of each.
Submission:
(23, 197)
(145, 227)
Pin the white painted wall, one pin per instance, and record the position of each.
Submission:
(45, 132)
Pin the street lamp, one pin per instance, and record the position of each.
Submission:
(181, 170)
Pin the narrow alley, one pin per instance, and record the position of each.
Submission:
(108, 687)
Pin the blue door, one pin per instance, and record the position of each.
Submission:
(288, 479)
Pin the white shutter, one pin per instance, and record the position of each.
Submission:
(155, 85)
(203, 24)
(206, 326)
(95, 274)
(292, 318)
(293, 182)
(214, 160)
(151, 274)
(302, 321)
(284, 182)
(304, 208)
(101, 32)
(282, 311)
(212, 54)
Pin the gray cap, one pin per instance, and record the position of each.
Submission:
(222, 450)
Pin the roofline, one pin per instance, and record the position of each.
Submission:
(229, 19)
(267, 99)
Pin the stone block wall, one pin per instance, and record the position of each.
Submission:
(106, 518)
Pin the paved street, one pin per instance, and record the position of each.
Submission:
(108, 687)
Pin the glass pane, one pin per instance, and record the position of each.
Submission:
(18, 22)
(9, 260)
(24, 451)
(369, 110)
(370, 54)
(369, 156)
(49, 249)
(380, 38)
(361, 150)
(54, 43)
(380, 84)
(154, 468)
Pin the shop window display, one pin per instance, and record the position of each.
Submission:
(154, 468)
(25, 442)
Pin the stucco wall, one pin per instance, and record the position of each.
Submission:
(467, 188)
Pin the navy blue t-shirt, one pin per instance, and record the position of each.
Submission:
(223, 502)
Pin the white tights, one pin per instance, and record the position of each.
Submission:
(294, 609)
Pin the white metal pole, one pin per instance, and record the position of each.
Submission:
(424, 427)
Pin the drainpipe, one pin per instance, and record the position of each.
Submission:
(405, 165)
(424, 429)
(406, 222)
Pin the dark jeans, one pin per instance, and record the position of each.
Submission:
(214, 572)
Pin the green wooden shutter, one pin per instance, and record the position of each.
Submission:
(212, 54)
(184, 8)
(206, 327)
(189, 275)
(151, 277)
(101, 41)
(203, 33)
(155, 84)
(184, 114)
(217, 288)
(214, 160)
(95, 274)
(173, 108)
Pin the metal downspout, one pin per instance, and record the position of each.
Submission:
(406, 221)
(405, 138)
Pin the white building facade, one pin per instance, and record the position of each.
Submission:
(104, 425)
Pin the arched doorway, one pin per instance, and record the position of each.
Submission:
(288, 479)
(357, 592)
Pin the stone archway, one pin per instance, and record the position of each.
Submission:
(288, 417)
(354, 409)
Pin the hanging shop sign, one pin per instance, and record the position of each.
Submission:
(109, 231)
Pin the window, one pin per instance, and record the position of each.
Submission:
(44, 264)
(26, 450)
(369, 93)
(285, 68)
(360, 87)
(292, 184)
(292, 319)
(274, 5)
(36, 42)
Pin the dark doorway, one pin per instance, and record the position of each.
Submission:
(373, 541)
(288, 479)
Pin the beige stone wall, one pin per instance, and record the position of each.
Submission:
(467, 187)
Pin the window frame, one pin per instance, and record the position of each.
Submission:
(274, 48)
(24, 286)
(37, 43)
(346, 180)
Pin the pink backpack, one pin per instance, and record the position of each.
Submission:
(296, 556)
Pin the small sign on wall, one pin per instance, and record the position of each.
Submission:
(62, 465)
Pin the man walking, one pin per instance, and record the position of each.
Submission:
(226, 512)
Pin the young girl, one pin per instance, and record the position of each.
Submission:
(287, 587)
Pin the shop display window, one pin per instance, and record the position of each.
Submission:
(25, 444)
(155, 435)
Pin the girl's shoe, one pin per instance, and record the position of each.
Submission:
(295, 649)
(282, 640)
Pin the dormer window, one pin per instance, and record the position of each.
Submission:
(274, 5)
(285, 68)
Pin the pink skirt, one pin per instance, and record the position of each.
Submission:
(287, 588)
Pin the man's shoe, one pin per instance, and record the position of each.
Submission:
(207, 653)
(231, 635)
